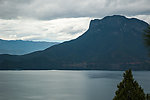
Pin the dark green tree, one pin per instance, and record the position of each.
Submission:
(129, 89)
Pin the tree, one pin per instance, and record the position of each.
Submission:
(129, 89)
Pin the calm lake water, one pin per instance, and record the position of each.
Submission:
(64, 85)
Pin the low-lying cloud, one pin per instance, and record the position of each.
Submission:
(39, 30)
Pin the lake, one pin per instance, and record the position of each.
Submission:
(64, 85)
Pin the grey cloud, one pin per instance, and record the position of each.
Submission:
(52, 9)
(10, 9)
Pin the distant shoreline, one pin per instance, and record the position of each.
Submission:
(65, 70)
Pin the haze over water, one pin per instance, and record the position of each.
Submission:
(64, 85)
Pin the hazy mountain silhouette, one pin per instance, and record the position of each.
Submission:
(112, 43)
(19, 47)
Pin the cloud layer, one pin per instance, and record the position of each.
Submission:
(40, 30)
(52, 9)
(61, 20)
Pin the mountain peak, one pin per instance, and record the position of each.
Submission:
(115, 17)
(110, 18)
(117, 21)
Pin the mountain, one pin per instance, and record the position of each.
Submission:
(112, 43)
(19, 47)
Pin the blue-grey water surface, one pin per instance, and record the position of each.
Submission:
(64, 85)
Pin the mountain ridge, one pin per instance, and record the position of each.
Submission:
(112, 43)
(21, 47)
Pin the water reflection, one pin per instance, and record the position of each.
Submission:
(103, 74)
(63, 85)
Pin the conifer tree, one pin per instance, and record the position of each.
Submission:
(129, 89)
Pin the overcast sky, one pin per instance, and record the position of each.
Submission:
(61, 20)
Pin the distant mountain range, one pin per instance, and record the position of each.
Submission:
(112, 43)
(19, 47)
